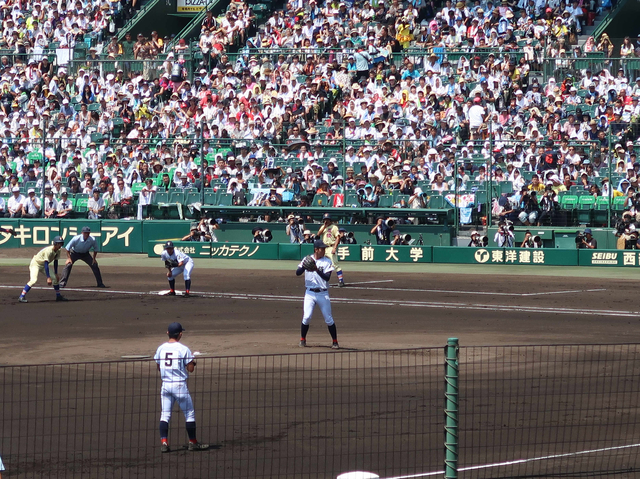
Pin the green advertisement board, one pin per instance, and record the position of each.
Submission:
(346, 252)
(244, 250)
(193, 249)
(516, 256)
(590, 257)
(396, 254)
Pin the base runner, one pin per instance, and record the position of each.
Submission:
(177, 263)
(175, 361)
(330, 235)
(40, 264)
(317, 272)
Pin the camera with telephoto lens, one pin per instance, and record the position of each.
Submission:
(390, 223)
(266, 236)
(580, 237)
(406, 238)
(361, 192)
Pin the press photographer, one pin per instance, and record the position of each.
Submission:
(196, 235)
(476, 240)
(346, 237)
(307, 237)
(531, 241)
(261, 235)
(400, 239)
(208, 227)
(586, 240)
(504, 236)
(382, 230)
(294, 229)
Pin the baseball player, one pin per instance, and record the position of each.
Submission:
(177, 263)
(175, 362)
(317, 272)
(78, 248)
(330, 236)
(39, 263)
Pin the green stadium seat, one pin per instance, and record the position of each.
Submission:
(210, 198)
(321, 200)
(436, 201)
(585, 205)
(385, 201)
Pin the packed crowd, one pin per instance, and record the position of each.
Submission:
(339, 98)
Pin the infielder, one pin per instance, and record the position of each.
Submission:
(177, 263)
(78, 248)
(175, 362)
(330, 236)
(317, 272)
(40, 263)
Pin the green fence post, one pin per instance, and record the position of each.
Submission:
(451, 409)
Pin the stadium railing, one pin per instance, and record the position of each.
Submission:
(518, 411)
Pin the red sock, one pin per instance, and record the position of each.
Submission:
(164, 441)
(193, 441)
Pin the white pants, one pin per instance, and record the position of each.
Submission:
(172, 392)
(185, 269)
(323, 302)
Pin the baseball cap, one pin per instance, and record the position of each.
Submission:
(175, 328)
(31, 190)
(168, 244)
(86, 229)
(319, 244)
(326, 216)
(15, 189)
(58, 239)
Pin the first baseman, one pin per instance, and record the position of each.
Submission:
(40, 263)
(78, 248)
(175, 361)
(330, 235)
(177, 263)
(317, 272)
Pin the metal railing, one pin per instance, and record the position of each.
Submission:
(511, 411)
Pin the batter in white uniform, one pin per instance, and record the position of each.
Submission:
(317, 292)
(177, 263)
(175, 362)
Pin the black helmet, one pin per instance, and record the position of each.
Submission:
(168, 244)
(326, 216)
(58, 239)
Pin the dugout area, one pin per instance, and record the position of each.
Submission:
(273, 410)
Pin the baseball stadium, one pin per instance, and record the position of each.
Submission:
(319, 239)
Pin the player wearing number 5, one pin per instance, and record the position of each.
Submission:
(40, 263)
(330, 235)
(175, 361)
(177, 263)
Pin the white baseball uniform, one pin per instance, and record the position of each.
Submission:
(172, 358)
(180, 257)
(317, 291)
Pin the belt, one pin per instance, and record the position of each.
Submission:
(316, 290)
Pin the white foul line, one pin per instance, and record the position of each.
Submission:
(367, 282)
(520, 461)
(487, 293)
(370, 302)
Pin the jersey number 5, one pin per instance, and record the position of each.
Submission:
(167, 359)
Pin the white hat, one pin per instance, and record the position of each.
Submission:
(29, 191)
(15, 189)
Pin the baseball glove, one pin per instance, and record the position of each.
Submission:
(170, 263)
(309, 263)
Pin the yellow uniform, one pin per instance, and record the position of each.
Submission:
(330, 237)
(37, 264)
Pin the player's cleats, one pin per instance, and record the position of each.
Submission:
(335, 345)
(101, 286)
(61, 298)
(341, 284)
(186, 294)
(303, 343)
(171, 293)
(165, 448)
(62, 285)
(22, 299)
(196, 446)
